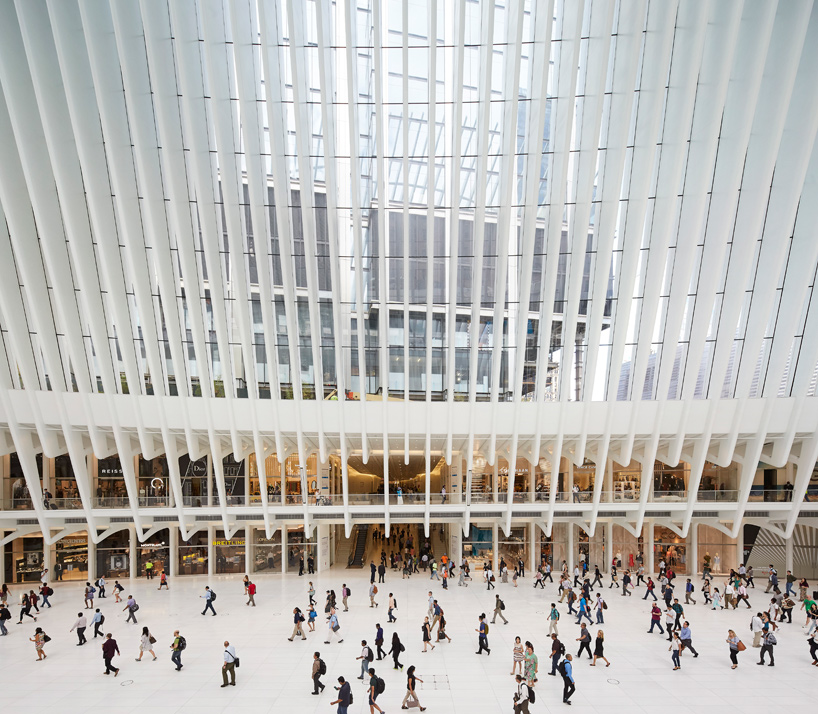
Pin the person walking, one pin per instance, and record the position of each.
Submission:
(757, 628)
(146, 644)
(251, 594)
(499, 606)
(89, 596)
(80, 626)
(5, 616)
(568, 684)
(734, 642)
(770, 641)
(318, 669)
(584, 640)
(689, 589)
(333, 626)
(489, 579)
(163, 581)
(379, 642)
(553, 619)
(365, 658)
(101, 586)
(39, 643)
(109, 650)
(772, 580)
(599, 649)
(345, 591)
(675, 650)
(392, 607)
(395, 650)
(97, 620)
(656, 619)
(373, 591)
(117, 591)
(229, 666)
(686, 638)
(600, 609)
(177, 646)
(25, 609)
(813, 647)
(532, 664)
(209, 596)
(426, 631)
(344, 696)
(521, 698)
(557, 651)
(483, 635)
(131, 607)
(583, 610)
(650, 587)
(311, 593)
(45, 593)
(411, 698)
(375, 688)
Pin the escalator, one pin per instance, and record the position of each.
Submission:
(357, 558)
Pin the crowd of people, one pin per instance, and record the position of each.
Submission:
(573, 588)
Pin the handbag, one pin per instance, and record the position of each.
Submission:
(336, 627)
(46, 638)
(152, 639)
(741, 646)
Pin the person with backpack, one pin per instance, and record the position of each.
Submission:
(177, 646)
(298, 619)
(689, 589)
(208, 597)
(553, 619)
(96, 620)
(411, 698)
(131, 607)
(5, 615)
(344, 696)
(89, 596)
(366, 657)
(395, 650)
(557, 651)
(566, 671)
(522, 697)
(345, 591)
(499, 606)
(376, 687)
(117, 591)
(45, 593)
(318, 670)
(769, 641)
(373, 591)
(333, 626)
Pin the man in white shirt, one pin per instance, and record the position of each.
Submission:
(756, 627)
(80, 626)
(229, 664)
(431, 611)
(364, 659)
(101, 585)
(521, 698)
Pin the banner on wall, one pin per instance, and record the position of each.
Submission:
(324, 552)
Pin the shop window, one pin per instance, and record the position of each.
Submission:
(24, 559)
(113, 556)
(298, 545)
(154, 482)
(155, 551)
(717, 547)
(65, 488)
(627, 482)
(72, 557)
(478, 546)
(266, 552)
(670, 482)
(194, 480)
(513, 547)
(111, 491)
(671, 548)
(229, 554)
(193, 554)
(20, 496)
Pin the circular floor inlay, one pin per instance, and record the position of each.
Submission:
(126, 683)
(613, 681)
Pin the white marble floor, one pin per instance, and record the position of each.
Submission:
(275, 673)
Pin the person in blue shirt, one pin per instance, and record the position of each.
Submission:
(344, 696)
(687, 638)
(583, 610)
(483, 639)
(568, 685)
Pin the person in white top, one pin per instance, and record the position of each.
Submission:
(600, 610)
(229, 665)
(756, 627)
(80, 626)
(521, 697)
(145, 645)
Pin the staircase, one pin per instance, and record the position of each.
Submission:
(357, 559)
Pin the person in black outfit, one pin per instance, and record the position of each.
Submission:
(311, 565)
(597, 576)
(344, 694)
(372, 571)
(584, 640)
(379, 641)
(300, 564)
(395, 650)
(381, 572)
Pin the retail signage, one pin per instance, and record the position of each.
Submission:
(229, 542)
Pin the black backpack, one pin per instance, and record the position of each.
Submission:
(212, 596)
(502, 605)
(49, 592)
(182, 643)
(562, 649)
(531, 696)
(380, 686)
(394, 604)
(101, 618)
(561, 668)
(322, 667)
(349, 592)
(370, 656)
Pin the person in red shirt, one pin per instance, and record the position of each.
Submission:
(251, 593)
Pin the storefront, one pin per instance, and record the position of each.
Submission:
(24, 559)
(298, 545)
(154, 550)
(72, 557)
(266, 552)
(229, 554)
(584, 480)
(671, 548)
(154, 482)
(720, 547)
(111, 491)
(113, 555)
(193, 554)
(478, 547)
(15, 487)
(273, 475)
(625, 545)
(65, 488)
(627, 482)
(670, 482)
(194, 480)
(513, 547)
(233, 482)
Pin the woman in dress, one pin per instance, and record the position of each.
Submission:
(717, 600)
(599, 649)
(733, 641)
(518, 656)
(531, 664)
(145, 645)
(39, 643)
(427, 634)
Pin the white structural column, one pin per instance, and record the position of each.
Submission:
(609, 551)
(284, 556)
(173, 555)
(93, 572)
(533, 550)
(693, 550)
(570, 547)
(211, 551)
(788, 555)
(132, 556)
(649, 560)
(494, 548)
